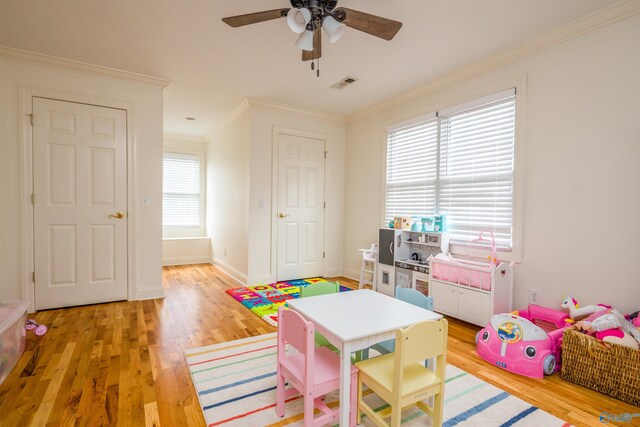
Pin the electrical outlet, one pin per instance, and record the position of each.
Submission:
(225, 251)
(534, 296)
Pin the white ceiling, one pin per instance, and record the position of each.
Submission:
(213, 66)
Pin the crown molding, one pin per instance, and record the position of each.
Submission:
(295, 110)
(255, 102)
(593, 21)
(241, 108)
(82, 67)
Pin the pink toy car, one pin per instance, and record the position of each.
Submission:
(515, 343)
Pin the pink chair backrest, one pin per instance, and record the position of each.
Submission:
(295, 330)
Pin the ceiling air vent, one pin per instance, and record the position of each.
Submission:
(344, 83)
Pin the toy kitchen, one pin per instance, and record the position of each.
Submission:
(404, 252)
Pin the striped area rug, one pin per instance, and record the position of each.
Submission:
(236, 385)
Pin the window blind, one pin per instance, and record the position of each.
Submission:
(180, 190)
(411, 170)
(459, 164)
(476, 171)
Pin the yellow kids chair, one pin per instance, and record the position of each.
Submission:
(401, 379)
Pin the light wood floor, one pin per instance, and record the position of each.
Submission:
(122, 363)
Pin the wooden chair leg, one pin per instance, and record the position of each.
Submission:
(438, 404)
(358, 401)
(308, 411)
(280, 396)
(396, 416)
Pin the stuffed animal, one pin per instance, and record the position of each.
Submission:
(611, 327)
(576, 312)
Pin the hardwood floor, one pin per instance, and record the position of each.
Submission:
(122, 363)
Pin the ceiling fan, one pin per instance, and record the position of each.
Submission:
(307, 17)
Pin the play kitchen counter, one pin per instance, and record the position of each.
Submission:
(403, 258)
(468, 290)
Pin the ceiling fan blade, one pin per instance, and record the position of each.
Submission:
(316, 53)
(254, 18)
(370, 24)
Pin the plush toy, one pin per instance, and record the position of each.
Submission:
(612, 327)
(576, 312)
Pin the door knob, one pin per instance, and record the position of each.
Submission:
(118, 215)
(283, 215)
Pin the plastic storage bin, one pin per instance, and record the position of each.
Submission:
(13, 316)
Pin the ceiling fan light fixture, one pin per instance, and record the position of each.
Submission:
(305, 41)
(334, 29)
(297, 19)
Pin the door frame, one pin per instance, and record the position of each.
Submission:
(27, 93)
(275, 169)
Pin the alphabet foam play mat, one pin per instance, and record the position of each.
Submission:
(264, 300)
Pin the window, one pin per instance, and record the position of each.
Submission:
(458, 162)
(182, 195)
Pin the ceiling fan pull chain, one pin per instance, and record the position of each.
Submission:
(318, 68)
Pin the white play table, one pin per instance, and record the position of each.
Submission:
(355, 320)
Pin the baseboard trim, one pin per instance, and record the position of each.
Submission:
(149, 293)
(352, 274)
(332, 272)
(252, 281)
(230, 271)
(186, 260)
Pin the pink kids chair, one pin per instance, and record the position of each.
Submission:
(312, 372)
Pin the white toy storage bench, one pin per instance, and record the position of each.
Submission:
(470, 290)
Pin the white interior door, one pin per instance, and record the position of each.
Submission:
(80, 203)
(300, 207)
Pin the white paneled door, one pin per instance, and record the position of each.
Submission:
(80, 203)
(300, 207)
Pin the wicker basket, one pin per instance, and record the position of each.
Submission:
(608, 368)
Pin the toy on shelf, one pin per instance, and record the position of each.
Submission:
(576, 312)
(37, 328)
(513, 341)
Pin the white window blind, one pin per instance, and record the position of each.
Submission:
(181, 190)
(476, 171)
(460, 164)
(411, 170)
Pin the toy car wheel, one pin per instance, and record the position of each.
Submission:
(478, 337)
(549, 364)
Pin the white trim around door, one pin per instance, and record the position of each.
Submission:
(27, 93)
(277, 130)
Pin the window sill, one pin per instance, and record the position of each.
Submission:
(187, 238)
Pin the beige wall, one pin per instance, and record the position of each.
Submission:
(262, 236)
(188, 250)
(581, 184)
(228, 196)
(240, 176)
(147, 127)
